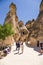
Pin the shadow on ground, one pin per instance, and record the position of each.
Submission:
(34, 47)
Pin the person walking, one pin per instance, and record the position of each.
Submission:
(21, 46)
(17, 46)
(41, 45)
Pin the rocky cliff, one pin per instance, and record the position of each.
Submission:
(35, 27)
(32, 29)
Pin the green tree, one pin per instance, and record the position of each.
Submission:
(5, 30)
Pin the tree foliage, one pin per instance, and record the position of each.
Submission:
(5, 30)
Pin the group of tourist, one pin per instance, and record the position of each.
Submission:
(19, 46)
(7, 50)
(40, 44)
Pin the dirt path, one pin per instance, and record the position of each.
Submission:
(29, 57)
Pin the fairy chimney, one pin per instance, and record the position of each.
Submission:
(41, 6)
(12, 17)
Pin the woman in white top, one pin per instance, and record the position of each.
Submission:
(21, 46)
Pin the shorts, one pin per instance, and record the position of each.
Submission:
(18, 48)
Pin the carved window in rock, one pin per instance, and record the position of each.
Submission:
(24, 32)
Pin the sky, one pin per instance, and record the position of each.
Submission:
(26, 9)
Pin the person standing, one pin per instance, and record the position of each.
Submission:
(21, 46)
(38, 43)
(41, 45)
(17, 46)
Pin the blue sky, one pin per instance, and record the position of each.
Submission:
(26, 9)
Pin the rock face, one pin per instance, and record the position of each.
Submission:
(41, 6)
(13, 19)
(23, 31)
(31, 30)
(35, 27)
(16, 25)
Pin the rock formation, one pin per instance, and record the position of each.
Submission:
(39, 22)
(13, 19)
(17, 26)
(24, 32)
(35, 27)
(31, 30)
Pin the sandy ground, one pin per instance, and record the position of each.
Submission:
(29, 57)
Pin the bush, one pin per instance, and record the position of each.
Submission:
(5, 30)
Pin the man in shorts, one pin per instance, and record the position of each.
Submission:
(17, 46)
